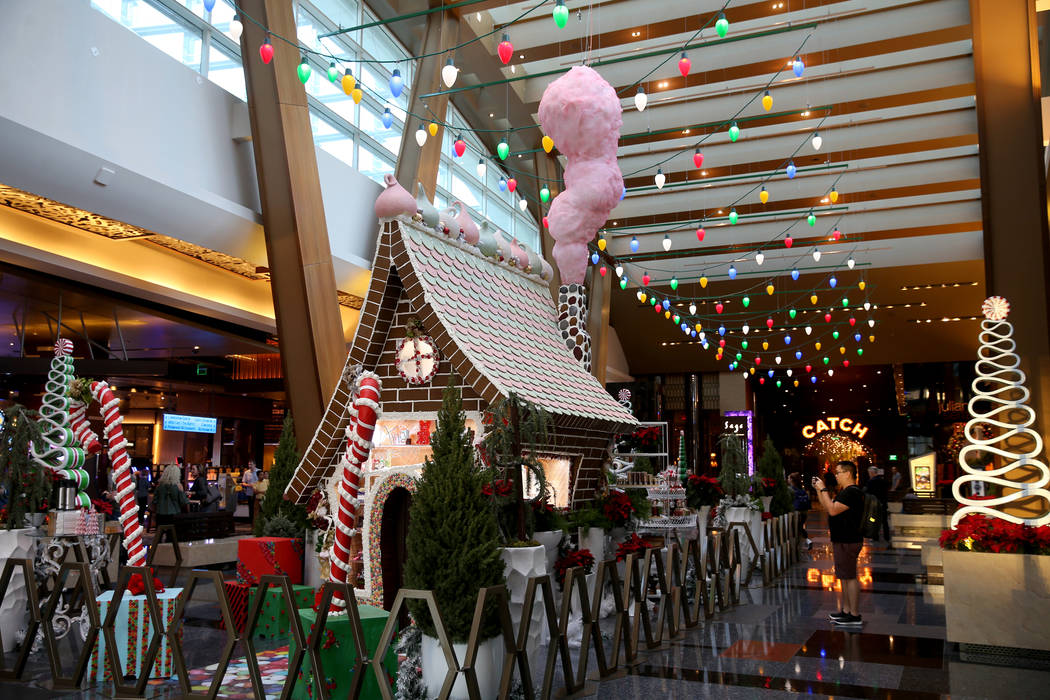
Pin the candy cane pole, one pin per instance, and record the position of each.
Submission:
(81, 429)
(119, 463)
(364, 413)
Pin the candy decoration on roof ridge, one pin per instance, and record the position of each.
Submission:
(394, 200)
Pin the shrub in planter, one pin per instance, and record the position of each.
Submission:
(453, 539)
(546, 517)
(702, 490)
(285, 461)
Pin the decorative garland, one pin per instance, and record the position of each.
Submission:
(62, 453)
(422, 362)
(364, 414)
(998, 369)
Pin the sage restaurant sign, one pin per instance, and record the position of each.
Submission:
(845, 425)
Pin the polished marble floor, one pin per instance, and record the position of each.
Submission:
(777, 643)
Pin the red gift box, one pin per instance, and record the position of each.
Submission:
(237, 593)
(260, 556)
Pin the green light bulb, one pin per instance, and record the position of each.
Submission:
(826, 360)
(733, 216)
(545, 194)
(845, 302)
(623, 283)
(734, 132)
(561, 14)
(792, 313)
(860, 351)
(674, 283)
(722, 25)
(743, 345)
(747, 302)
(304, 71)
(503, 149)
(677, 319)
(652, 301)
(811, 219)
(835, 335)
(333, 72)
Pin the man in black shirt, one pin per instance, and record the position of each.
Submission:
(844, 514)
(879, 488)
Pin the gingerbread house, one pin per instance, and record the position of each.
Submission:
(438, 306)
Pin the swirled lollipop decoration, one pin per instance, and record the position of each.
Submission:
(1001, 383)
(61, 451)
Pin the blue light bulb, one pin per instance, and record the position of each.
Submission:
(798, 66)
(209, 5)
(791, 169)
(396, 84)
(594, 258)
(732, 272)
(503, 184)
(388, 118)
(794, 274)
(721, 330)
(623, 193)
(833, 282)
(634, 244)
(694, 333)
(770, 374)
(813, 380)
(856, 336)
(666, 304)
(787, 340)
(798, 354)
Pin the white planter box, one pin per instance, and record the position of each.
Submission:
(997, 599)
(14, 544)
(489, 666)
(593, 538)
(521, 564)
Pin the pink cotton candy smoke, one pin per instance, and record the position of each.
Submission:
(581, 112)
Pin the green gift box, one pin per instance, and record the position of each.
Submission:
(337, 653)
(273, 619)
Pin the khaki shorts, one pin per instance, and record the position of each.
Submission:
(845, 555)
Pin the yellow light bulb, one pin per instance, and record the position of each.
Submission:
(699, 328)
(703, 283)
(842, 350)
(833, 195)
(763, 196)
(601, 244)
(349, 82)
(817, 345)
(432, 127)
(813, 299)
(767, 102)
(765, 345)
(861, 285)
(644, 297)
(667, 314)
(796, 382)
(769, 289)
(357, 95)
(871, 339)
(548, 144)
(752, 370)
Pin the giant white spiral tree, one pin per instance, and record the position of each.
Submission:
(1000, 388)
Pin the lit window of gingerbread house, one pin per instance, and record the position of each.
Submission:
(486, 315)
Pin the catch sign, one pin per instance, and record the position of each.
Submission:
(845, 425)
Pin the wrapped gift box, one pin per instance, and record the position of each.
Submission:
(337, 653)
(134, 630)
(261, 556)
(237, 593)
(273, 618)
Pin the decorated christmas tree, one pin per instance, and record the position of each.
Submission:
(453, 540)
(60, 450)
(771, 467)
(683, 459)
(1000, 425)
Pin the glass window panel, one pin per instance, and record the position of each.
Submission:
(341, 13)
(375, 165)
(163, 31)
(371, 123)
(225, 71)
(443, 173)
(222, 15)
(467, 192)
(502, 217)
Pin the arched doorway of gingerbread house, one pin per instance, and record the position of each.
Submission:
(392, 536)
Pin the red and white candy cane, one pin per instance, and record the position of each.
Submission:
(120, 464)
(81, 429)
(364, 413)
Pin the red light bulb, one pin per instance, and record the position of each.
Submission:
(789, 241)
(698, 158)
(684, 64)
(266, 51)
(512, 184)
(505, 49)
(700, 233)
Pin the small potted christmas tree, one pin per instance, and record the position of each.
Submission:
(776, 497)
(453, 550)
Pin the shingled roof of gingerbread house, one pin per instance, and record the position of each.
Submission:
(504, 323)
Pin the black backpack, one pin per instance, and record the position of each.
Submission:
(870, 518)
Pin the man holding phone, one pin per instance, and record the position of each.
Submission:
(844, 514)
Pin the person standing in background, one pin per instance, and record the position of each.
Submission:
(142, 491)
(878, 488)
(248, 480)
(896, 482)
(168, 498)
(802, 502)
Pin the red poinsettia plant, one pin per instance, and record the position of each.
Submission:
(500, 488)
(102, 506)
(573, 558)
(979, 533)
(137, 586)
(617, 507)
(632, 545)
(702, 490)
